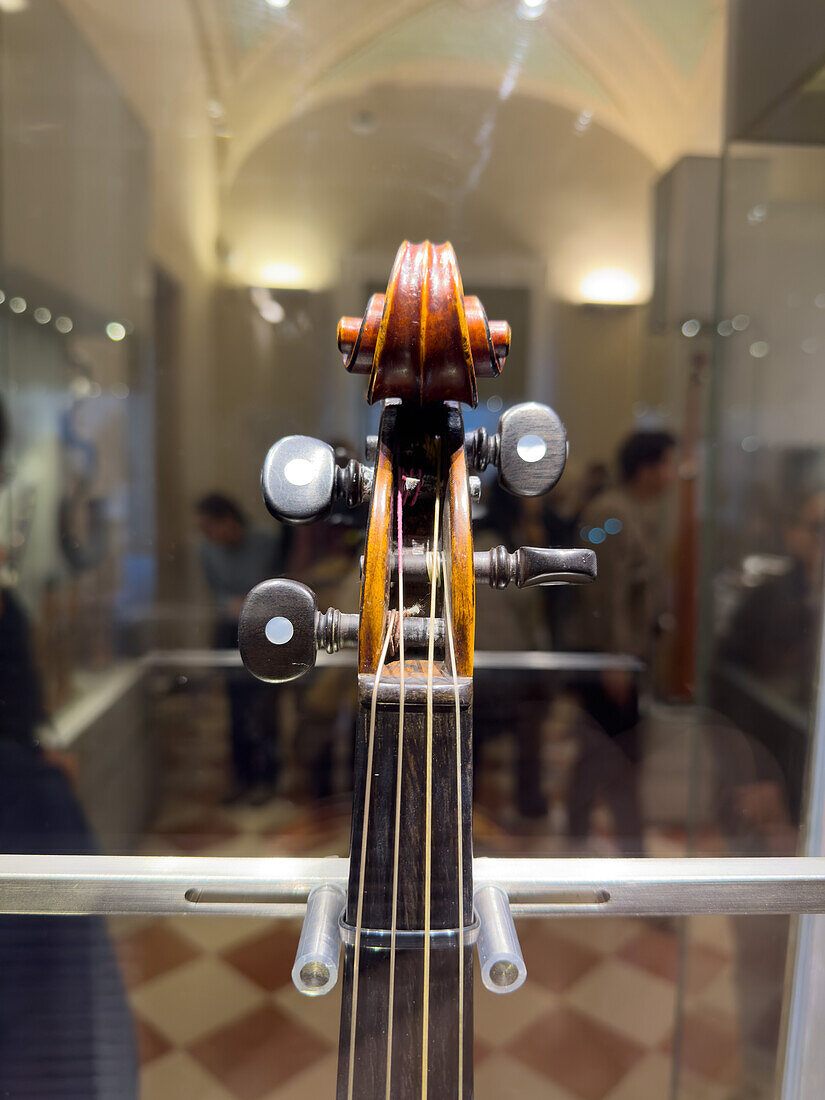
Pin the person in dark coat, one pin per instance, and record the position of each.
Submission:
(235, 557)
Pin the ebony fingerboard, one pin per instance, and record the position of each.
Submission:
(370, 1051)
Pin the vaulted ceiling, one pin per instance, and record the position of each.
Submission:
(523, 127)
(648, 69)
(519, 128)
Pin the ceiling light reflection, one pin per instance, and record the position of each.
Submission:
(531, 9)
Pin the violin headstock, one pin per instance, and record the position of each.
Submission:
(423, 344)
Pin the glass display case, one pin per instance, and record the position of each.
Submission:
(191, 195)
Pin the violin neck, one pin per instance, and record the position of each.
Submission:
(443, 1003)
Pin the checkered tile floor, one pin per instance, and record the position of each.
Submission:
(218, 1018)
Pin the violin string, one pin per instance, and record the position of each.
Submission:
(398, 776)
(362, 870)
(428, 826)
(448, 618)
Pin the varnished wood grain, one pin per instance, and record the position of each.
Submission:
(462, 571)
(424, 340)
(375, 584)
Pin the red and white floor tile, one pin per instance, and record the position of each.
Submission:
(218, 1017)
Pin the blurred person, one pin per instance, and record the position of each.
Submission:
(235, 557)
(561, 513)
(618, 614)
(774, 632)
(65, 1027)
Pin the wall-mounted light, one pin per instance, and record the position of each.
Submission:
(282, 273)
(609, 286)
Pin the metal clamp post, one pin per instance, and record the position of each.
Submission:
(316, 964)
(499, 953)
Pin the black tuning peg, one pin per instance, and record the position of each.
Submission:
(531, 566)
(280, 630)
(527, 567)
(530, 449)
(301, 480)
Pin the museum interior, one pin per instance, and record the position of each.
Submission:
(192, 193)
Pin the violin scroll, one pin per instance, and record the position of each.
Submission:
(424, 340)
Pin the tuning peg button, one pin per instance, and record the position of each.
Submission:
(281, 629)
(300, 480)
(530, 449)
(276, 630)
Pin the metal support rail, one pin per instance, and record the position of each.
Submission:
(516, 660)
(278, 887)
